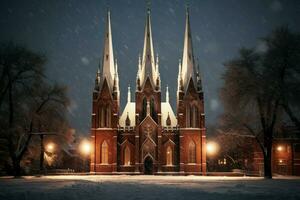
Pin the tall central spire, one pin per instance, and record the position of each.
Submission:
(188, 62)
(148, 64)
(108, 66)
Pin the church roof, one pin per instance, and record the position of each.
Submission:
(166, 110)
(129, 111)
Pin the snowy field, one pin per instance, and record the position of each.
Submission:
(148, 187)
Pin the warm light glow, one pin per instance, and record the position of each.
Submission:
(280, 161)
(50, 147)
(85, 147)
(279, 148)
(212, 148)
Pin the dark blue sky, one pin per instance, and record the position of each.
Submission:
(70, 34)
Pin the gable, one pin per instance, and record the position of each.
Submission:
(148, 86)
(190, 91)
(105, 91)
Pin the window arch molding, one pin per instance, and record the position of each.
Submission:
(169, 156)
(127, 156)
(104, 152)
(192, 152)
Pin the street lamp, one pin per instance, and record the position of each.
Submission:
(50, 147)
(85, 148)
(279, 148)
(212, 148)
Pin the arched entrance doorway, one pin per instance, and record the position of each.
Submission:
(148, 165)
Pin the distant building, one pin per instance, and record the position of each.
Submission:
(148, 137)
(285, 153)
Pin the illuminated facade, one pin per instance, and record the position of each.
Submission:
(148, 137)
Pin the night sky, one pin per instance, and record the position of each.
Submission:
(70, 34)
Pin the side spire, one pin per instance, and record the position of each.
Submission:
(188, 62)
(98, 78)
(167, 94)
(108, 66)
(129, 95)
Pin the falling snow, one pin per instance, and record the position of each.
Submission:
(70, 33)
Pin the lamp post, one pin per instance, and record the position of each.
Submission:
(50, 147)
(85, 149)
(212, 148)
(42, 134)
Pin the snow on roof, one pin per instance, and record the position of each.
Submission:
(130, 110)
(166, 110)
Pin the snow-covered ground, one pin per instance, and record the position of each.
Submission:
(148, 187)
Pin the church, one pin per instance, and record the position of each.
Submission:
(148, 137)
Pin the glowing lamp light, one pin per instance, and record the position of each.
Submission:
(50, 147)
(212, 148)
(279, 148)
(85, 147)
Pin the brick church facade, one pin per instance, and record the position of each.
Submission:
(147, 137)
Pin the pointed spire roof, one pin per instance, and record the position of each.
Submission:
(108, 66)
(167, 94)
(188, 62)
(129, 95)
(148, 64)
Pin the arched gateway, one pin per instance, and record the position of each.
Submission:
(148, 165)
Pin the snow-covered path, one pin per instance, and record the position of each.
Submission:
(148, 187)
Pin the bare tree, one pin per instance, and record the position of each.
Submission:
(282, 62)
(28, 103)
(250, 103)
(260, 86)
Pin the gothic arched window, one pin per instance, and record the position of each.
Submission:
(144, 108)
(194, 119)
(152, 109)
(107, 116)
(192, 152)
(188, 116)
(169, 156)
(126, 156)
(104, 153)
(102, 117)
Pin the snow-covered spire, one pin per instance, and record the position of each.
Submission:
(148, 65)
(198, 77)
(116, 77)
(98, 78)
(188, 63)
(179, 78)
(167, 94)
(128, 95)
(108, 66)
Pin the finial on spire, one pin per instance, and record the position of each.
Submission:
(167, 94)
(129, 94)
(187, 7)
(148, 6)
